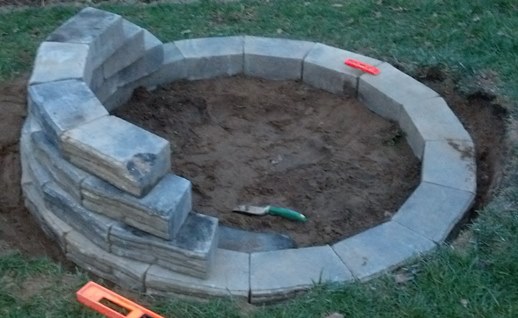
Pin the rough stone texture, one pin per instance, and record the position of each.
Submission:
(64, 105)
(191, 252)
(451, 164)
(81, 251)
(381, 249)
(128, 157)
(94, 226)
(324, 68)
(433, 210)
(246, 241)
(172, 69)
(53, 226)
(280, 274)
(212, 57)
(161, 212)
(430, 120)
(274, 59)
(61, 61)
(132, 49)
(102, 31)
(386, 93)
(229, 277)
(67, 175)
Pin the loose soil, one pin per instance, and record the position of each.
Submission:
(480, 115)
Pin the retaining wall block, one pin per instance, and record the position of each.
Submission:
(132, 49)
(191, 252)
(387, 92)
(450, 163)
(274, 59)
(61, 61)
(430, 120)
(173, 68)
(64, 105)
(211, 57)
(324, 68)
(434, 210)
(65, 174)
(126, 156)
(92, 225)
(55, 228)
(102, 31)
(121, 96)
(381, 249)
(277, 275)
(229, 277)
(86, 254)
(160, 212)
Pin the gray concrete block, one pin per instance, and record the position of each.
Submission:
(64, 173)
(94, 226)
(235, 239)
(89, 256)
(212, 57)
(102, 31)
(55, 228)
(191, 252)
(64, 105)
(61, 61)
(277, 275)
(450, 163)
(381, 249)
(229, 277)
(120, 97)
(274, 59)
(132, 49)
(173, 68)
(126, 156)
(324, 68)
(433, 210)
(160, 212)
(151, 60)
(430, 120)
(38, 173)
(387, 92)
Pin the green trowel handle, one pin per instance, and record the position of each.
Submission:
(286, 213)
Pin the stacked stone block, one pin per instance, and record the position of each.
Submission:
(98, 185)
(101, 187)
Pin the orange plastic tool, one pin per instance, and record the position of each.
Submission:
(110, 304)
(367, 68)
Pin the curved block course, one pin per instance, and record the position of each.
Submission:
(101, 187)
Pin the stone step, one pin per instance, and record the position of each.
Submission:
(63, 105)
(191, 252)
(126, 156)
(102, 31)
(161, 212)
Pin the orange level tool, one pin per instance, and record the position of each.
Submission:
(110, 304)
(367, 68)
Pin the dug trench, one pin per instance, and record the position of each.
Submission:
(243, 140)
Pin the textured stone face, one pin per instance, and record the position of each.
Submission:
(64, 105)
(161, 212)
(121, 153)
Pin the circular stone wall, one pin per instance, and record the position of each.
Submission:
(101, 187)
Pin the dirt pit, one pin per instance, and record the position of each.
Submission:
(250, 141)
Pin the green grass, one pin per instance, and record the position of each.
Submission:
(465, 39)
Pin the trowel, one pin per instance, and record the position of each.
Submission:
(271, 210)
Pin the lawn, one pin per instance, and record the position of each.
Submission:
(467, 40)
